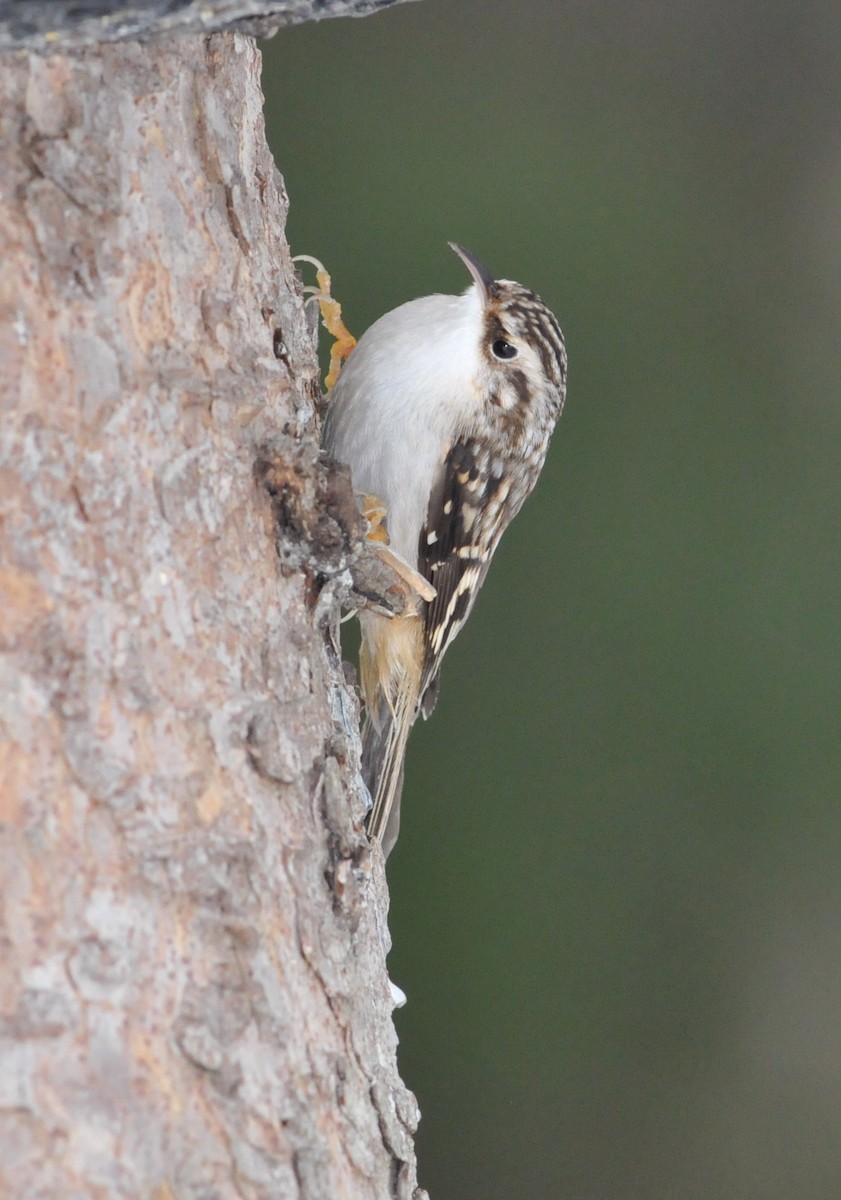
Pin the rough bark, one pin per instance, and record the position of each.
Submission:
(192, 981)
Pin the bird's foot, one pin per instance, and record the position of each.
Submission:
(331, 317)
(375, 510)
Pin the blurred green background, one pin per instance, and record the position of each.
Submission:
(616, 899)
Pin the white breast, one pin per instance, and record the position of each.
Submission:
(406, 391)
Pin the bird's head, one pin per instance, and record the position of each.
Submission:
(522, 355)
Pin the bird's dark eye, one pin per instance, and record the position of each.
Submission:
(502, 349)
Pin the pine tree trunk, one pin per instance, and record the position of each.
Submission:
(192, 982)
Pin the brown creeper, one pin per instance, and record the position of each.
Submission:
(444, 410)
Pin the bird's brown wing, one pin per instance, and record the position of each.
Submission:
(466, 516)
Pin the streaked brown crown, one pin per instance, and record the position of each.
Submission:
(515, 311)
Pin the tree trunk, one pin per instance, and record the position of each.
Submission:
(193, 988)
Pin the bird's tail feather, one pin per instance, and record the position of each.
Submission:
(390, 660)
(383, 755)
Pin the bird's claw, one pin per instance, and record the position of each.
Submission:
(374, 511)
(331, 318)
(383, 581)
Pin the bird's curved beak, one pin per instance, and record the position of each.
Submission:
(481, 275)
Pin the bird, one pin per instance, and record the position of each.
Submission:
(443, 411)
